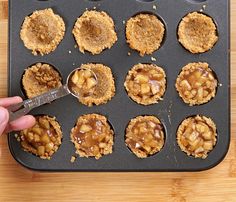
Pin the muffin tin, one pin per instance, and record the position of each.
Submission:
(121, 109)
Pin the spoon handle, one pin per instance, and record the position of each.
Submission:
(23, 108)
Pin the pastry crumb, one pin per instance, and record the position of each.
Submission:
(69, 51)
(129, 53)
(154, 7)
(73, 158)
(153, 59)
(123, 21)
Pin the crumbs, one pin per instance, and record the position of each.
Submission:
(73, 158)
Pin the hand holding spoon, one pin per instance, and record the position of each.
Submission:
(75, 82)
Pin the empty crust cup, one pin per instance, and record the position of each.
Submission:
(94, 31)
(104, 89)
(42, 31)
(92, 136)
(145, 33)
(43, 139)
(39, 79)
(196, 83)
(146, 83)
(197, 32)
(197, 136)
(145, 136)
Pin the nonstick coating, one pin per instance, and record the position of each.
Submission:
(171, 56)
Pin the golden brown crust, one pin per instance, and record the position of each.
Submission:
(197, 136)
(39, 79)
(105, 88)
(144, 33)
(196, 83)
(197, 32)
(94, 31)
(43, 139)
(145, 136)
(148, 90)
(42, 31)
(92, 136)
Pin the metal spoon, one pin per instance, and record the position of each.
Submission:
(23, 108)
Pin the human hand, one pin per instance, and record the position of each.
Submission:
(19, 124)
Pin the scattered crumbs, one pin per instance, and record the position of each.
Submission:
(169, 118)
(161, 98)
(204, 6)
(75, 46)
(94, 7)
(17, 137)
(73, 64)
(129, 54)
(154, 7)
(73, 158)
(220, 84)
(69, 51)
(201, 10)
(123, 22)
(86, 9)
(153, 59)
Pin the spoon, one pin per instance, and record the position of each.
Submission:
(23, 108)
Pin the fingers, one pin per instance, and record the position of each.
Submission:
(21, 123)
(4, 117)
(5, 102)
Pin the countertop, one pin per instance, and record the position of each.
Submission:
(20, 184)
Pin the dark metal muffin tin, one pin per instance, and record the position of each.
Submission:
(171, 111)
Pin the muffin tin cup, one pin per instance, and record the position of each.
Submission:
(121, 109)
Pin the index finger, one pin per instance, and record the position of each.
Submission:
(6, 102)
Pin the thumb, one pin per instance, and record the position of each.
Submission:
(4, 117)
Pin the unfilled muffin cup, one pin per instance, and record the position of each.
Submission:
(94, 31)
(42, 31)
(92, 136)
(197, 136)
(145, 33)
(145, 136)
(40, 78)
(43, 139)
(197, 32)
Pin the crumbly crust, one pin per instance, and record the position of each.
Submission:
(144, 33)
(146, 83)
(42, 143)
(197, 32)
(145, 140)
(42, 31)
(39, 79)
(197, 136)
(94, 31)
(92, 136)
(196, 83)
(105, 88)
